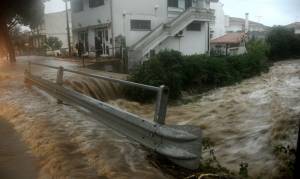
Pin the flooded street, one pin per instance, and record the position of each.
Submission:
(244, 122)
(68, 143)
(15, 161)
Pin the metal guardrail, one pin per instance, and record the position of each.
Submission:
(181, 144)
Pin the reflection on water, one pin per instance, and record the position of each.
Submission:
(244, 122)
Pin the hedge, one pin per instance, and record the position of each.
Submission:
(200, 72)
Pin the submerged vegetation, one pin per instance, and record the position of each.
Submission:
(197, 72)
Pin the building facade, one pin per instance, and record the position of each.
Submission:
(143, 26)
(225, 24)
(235, 24)
(218, 26)
(295, 26)
(54, 25)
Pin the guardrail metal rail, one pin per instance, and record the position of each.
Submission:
(180, 144)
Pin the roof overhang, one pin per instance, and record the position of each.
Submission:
(99, 26)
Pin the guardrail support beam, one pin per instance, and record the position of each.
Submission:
(161, 105)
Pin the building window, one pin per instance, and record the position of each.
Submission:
(188, 4)
(173, 3)
(77, 5)
(96, 3)
(140, 25)
(194, 26)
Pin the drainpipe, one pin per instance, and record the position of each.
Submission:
(112, 27)
(208, 38)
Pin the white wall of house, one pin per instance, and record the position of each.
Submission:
(191, 42)
(297, 30)
(55, 25)
(218, 26)
(89, 20)
(236, 26)
(124, 12)
(91, 16)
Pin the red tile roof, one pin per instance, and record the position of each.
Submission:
(231, 38)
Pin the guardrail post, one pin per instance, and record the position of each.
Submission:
(29, 68)
(60, 80)
(28, 74)
(161, 105)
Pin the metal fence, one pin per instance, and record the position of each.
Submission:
(181, 144)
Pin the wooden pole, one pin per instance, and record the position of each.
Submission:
(68, 29)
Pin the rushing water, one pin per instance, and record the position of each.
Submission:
(245, 122)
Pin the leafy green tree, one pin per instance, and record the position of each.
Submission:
(283, 42)
(26, 12)
(54, 43)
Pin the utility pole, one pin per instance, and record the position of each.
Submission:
(68, 28)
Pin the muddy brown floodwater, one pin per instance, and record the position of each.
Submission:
(15, 161)
(245, 122)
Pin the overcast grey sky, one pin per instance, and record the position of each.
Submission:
(268, 12)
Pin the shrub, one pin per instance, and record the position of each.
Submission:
(164, 69)
(54, 43)
(283, 42)
(196, 71)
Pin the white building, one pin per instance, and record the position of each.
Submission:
(225, 24)
(54, 25)
(218, 26)
(235, 24)
(145, 26)
(295, 26)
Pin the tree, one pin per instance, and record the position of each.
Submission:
(283, 42)
(54, 43)
(27, 12)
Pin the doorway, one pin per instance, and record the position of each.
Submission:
(83, 38)
(102, 42)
